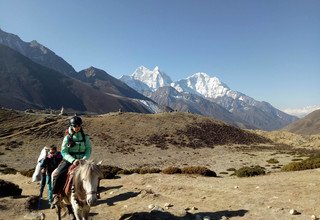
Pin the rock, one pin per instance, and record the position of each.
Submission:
(157, 208)
(35, 216)
(224, 218)
(269, 207)
(313, 217)
(151, 206)
(168, 205)
(293, 212)
(206, 218)
(236, 187)
(194, 208)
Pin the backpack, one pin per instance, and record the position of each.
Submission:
(71, 141)
(36, 176)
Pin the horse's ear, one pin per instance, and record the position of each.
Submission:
(99, 163)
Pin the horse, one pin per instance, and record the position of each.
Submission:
(84, 191)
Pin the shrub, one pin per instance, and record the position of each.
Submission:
(171, 170)
(231, 169)
(27, 173)
(9, 189)
(250, 171)
(109, 172)
(297, 159)
(8, 170)
(125, 172)
(310, 163)
(145, 170)
(273, 161)
(198, 170)
(135, 170)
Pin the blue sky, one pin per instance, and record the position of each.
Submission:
(267, 49)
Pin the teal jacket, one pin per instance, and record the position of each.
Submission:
(80, 150)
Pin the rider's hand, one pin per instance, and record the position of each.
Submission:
(76, 162)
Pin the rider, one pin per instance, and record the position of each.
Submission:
(75, 146)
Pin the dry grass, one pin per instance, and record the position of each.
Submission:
(295, 140)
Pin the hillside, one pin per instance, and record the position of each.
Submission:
(310, 124)
(25, 84)
(119, 136)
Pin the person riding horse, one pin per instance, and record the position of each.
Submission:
(75, 146)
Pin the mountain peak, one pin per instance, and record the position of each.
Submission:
(153, 78)
(202, 84)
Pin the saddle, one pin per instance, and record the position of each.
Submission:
(68, 185)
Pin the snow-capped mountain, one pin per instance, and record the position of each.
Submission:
(257, 114)
(210, 87)
(145, 80)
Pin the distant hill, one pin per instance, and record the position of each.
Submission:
(101, 80)
(37, 53)
(25, 84)
(310, 124)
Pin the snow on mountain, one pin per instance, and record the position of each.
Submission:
(144, 79)
(301, 112)
(257, 114)
(211, 88)
(203, 84)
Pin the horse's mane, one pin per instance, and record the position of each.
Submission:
(85, 171)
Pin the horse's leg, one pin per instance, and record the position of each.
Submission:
(86, 210)
(70, 211)
(58, 211)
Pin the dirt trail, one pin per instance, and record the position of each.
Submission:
(264, 197)
(31, 128)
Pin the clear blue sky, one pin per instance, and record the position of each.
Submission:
(267, 49)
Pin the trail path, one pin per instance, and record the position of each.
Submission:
(265, 197)
(30, 129)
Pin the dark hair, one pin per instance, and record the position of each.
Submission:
(52, 147)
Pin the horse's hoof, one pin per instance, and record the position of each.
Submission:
(72, 217)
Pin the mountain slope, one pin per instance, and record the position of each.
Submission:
(25, 84)
(258, 114)
(101, 80)
(310, 124)
(37, 53)
(187, 102)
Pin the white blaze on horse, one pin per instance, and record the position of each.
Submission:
(84, 190)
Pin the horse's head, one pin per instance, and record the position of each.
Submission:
(88, 176)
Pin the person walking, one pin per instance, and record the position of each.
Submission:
(48, 165)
